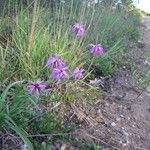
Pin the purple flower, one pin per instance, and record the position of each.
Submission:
(78, 29)
(55, 61)
(35, 87)
(96, 49)
(78, 73)
(59, 73)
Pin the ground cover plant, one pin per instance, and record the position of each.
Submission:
(48, 53)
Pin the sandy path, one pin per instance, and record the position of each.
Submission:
(136, 120)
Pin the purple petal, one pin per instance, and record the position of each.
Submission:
(31, 86)
(78, 29)
(42, 86)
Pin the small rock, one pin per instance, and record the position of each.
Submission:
(63, 147)
(125, 107)
(124, 144)
(99, 111)
(118, 119)
(113, 124)
(121, 116)
(120, 106)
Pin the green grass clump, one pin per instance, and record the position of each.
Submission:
(38, 32)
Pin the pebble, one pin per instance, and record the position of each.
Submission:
(120, 106)
(121, 116)
(125, 107)
(99, 111)
(118, 119)
(113, 124)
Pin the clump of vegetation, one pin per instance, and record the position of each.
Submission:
(53, 50)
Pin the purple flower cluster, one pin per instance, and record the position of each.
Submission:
(58, 68)
(96, 49)
(78, 29)
(60, 71)
(55, 61)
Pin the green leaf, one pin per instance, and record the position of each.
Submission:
(5, 92)
(22, 133)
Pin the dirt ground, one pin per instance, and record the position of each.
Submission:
(121, 120)
(129, 109)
